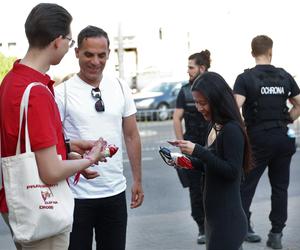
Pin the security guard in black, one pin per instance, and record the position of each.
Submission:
(266, 90)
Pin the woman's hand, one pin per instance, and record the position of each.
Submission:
(97, 153)
(186, 147)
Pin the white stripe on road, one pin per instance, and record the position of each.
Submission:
(143, 159)
(147, 133)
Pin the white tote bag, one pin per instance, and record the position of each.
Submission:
(36, 210)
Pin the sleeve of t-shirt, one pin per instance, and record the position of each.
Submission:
(180, 102)
(41, 118)
(239, 86)
(60, 99)
(129, 108)
(294, 87)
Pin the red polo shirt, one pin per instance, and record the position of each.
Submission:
(44, 123)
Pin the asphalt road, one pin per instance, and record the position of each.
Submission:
(164, 221)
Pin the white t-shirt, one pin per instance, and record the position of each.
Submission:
(82, 121)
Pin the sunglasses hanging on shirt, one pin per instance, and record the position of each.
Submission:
(99, 104)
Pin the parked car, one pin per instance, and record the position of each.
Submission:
(157, 101)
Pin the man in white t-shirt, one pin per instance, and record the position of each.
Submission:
(94, 105)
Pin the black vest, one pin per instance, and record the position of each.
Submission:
(196, 127)
(268, 104)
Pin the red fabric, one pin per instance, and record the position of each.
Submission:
(44, 123)
(112, 150)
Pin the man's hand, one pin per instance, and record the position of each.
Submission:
(74, 156)
(137, 195)
(89, 174)
(81, 146)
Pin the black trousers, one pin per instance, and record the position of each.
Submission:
(107, 216)
(272, 148)
(194, 179)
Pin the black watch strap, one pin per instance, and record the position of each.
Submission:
(68, 145)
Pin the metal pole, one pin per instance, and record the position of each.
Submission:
(120, 52)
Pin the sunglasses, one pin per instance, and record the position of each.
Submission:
(99, 104)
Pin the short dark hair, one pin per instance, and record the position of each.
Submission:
(202, 58)
(261, 44)
(46, 22)
(91, 31)
(223, 106)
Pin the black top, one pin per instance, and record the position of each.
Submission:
(244, 84)
(266, 89)
(226, 223)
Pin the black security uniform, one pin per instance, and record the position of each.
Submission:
(265, 111)
(195, 131)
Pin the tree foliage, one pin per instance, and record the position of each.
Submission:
(6, 64)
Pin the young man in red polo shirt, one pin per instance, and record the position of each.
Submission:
(48, 32)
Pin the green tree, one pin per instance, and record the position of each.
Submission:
(5, 65)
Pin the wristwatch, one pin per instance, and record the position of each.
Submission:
(68, 145)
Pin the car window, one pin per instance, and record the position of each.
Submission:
(176, 88)
(161, 87)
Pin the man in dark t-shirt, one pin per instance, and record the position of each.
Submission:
(195, 131)
(262, 92)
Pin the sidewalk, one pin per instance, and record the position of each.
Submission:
(170, 227)
(177, 231)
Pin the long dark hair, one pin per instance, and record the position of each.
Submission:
(223, 106)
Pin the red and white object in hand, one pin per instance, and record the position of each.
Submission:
(109, 151)
(181, 161)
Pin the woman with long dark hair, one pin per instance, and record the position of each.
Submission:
(226, 157)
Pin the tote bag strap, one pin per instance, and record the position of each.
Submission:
(65, 104)
(1, 185)
(24, 107)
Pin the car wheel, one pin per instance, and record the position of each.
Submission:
(163, 112)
